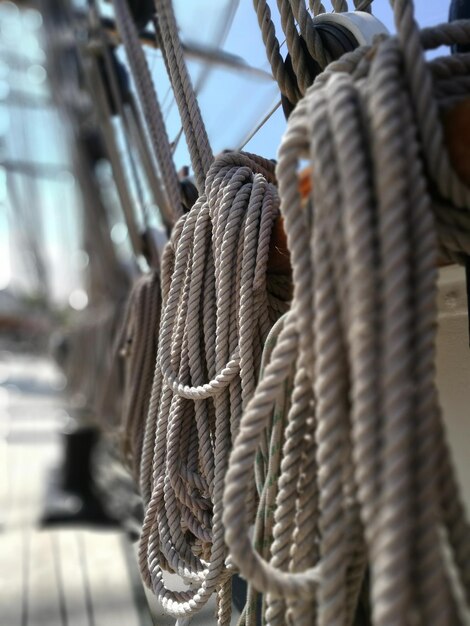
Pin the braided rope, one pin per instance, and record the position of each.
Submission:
(364, 429)
(317, 7)
(285, 81)
(311, 37)
(299, 58)
(363, 5)
(339, 6)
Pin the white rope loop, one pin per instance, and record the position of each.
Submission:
(361, 336)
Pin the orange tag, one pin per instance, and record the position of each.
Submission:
(305, 182)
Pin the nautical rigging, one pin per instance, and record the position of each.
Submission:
(265, 362)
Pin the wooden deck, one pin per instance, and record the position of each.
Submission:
(65, 576)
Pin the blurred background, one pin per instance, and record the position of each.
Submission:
(43, 257)
(76, 189)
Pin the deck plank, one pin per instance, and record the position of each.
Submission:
(72, 579)
(63, 576)
(44, 601)
(109, 581)
(12, 579)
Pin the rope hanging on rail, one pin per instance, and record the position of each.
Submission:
(365, 478)
(218, 306)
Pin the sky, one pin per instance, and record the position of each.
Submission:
(232, 104)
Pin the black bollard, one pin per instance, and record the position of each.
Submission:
(71, 496)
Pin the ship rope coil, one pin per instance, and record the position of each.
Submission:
(365, 485)
(218, 306)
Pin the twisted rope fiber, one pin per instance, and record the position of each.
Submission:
(291, 11)
(297, 23)
(190, 424)
(317, 7)
(218, 307)
(361, 337)
(149, 104)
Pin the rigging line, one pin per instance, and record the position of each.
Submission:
(153, 56)
(127, 150)
(208, 67)
(176, 140)
(152, 173)
(131, 158)
(166, 97)
(97, 89)
(227, 22)
(266, 118)
(152, 124)
(97, 27)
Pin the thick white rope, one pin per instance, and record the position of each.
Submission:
(368, 447)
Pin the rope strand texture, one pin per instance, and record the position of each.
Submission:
(361, 337)
(218, 307)
(297, 24)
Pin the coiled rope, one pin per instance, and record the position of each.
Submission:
(218, 307)
(366, 478)
(137, 346)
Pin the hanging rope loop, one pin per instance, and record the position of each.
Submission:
(365, 478)
(218, 307)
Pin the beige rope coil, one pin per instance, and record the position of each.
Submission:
(218, 307)
(137, 346)
(365, 475)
